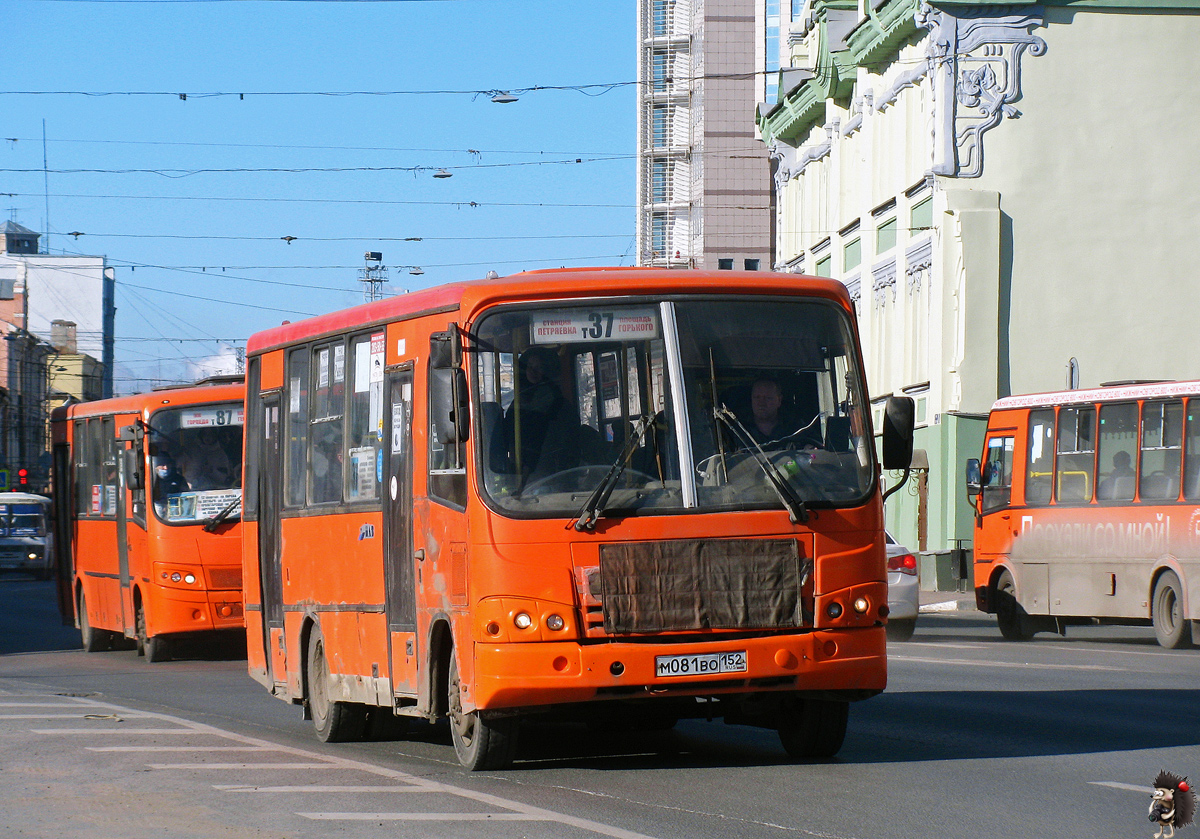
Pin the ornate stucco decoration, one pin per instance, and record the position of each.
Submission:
(884, 276)
(974, 56)
(918, 264)
(854, 287)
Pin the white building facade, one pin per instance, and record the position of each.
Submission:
(1010, 194)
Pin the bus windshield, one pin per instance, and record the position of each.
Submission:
(759, 400)
(195, 454)
(22, 520)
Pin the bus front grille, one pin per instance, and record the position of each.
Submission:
(694, 585)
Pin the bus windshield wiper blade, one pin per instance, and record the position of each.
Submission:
(797, 510)
(215, 522)
(593, 508)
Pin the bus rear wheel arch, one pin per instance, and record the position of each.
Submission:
(94, 640)
(1171, 627)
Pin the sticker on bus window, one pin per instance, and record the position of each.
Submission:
(339, 363)
(323, 369)
(362, 467)
(585, 325)
(213, 417)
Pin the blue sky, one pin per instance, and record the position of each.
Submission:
(200, 258)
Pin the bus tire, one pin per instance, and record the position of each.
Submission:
(334, 721)
(94, 640)
(480, 742)
(153, 647)
(1170, 627)
(813, 728)
(1010, 616)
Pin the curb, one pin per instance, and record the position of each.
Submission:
(948, 606)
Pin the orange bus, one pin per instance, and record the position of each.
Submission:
(548, 495)
(147, 503)
(1088, 510)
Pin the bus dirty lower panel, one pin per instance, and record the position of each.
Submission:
(701, 584)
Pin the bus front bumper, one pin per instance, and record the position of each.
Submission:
(180, 611)
(521, 675)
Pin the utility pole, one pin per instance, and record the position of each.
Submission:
(373, 275)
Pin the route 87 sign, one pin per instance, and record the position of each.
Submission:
(585, 325)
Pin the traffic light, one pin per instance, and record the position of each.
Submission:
(22, 476)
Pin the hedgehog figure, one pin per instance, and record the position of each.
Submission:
(1172, 805)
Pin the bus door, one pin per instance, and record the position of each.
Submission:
(115, 459)
(270, 573)
(994, 523)
(397, 532)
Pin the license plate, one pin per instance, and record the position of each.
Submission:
(700, 664)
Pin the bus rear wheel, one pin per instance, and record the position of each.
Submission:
(94, 640)
(813, 728)
(480, 741)
(334, 721)
(1010, 617)
(153, 647)
(1170, 627)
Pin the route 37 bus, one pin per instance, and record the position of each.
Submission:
(539, 495)
(148, 492)
(1088, 510)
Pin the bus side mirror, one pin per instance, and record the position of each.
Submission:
(974, 478)
(898, 422)
(134, 478)
(448, 404)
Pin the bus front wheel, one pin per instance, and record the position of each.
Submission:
(153, 647)
(334, 721)
(813, 728)
(480, 742)
(1170, 627)
(94, 640)
(1010, 617)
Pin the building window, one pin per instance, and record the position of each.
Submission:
(658, 234)
(751, 264)
(660, 181)
(852, 255)
(824, 266)
(660, 126)
(724, 264)
(922, 215)
(885, 236)
(660, 17)
(659, 70)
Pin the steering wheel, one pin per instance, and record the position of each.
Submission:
(583, 478)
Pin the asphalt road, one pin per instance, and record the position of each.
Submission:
(974, 737)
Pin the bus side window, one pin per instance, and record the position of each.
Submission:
(997, 474)
(1039, 472)
(1116, 452)
(1162, 441)
(1191, 455)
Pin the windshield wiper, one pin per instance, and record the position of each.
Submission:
(797, 510)
(213, 523)
(593, 508)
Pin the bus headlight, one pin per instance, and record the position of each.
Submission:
(521, 620)
(555, 623)
(861, 605)
(509, 619)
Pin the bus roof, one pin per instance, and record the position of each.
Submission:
(557, 283)
(138, 402)
(1113, 393)
(22, 498)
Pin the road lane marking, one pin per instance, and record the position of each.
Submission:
(1022, 664)
(1145, 790)
(69, 717)
(511, 810)
(227, 766)
(177, 749)
(430, 817)
(389, 788)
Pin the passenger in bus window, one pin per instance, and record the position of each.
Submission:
(1119, 482)
(327, 462)
(206, 465)
(168, 480)
(770, 427)
(539, 406)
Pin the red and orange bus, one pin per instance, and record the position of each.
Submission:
(147, 502)
(1088, 510)
(541, 495)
